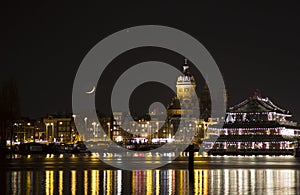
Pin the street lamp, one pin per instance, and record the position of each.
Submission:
(157, 129)
(94, 125)
(52, 132)
(74, 138)
(47, 133)
(171, 130)
(74, 116)
(108, 130)
(97, 129)
(150, 133)
(11, 137)
(85, 126)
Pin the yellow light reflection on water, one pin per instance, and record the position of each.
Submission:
(198, 181)
(183, 181)
(108, 183)
(28, 182)
(149, 184)
(95, 182)
(201, 181)
(206, 177)
(171, 181)
(85, 182)
(15, 181)
(60, 182)
(49, 182)
(157, 181)
(73, 182)
(181, 173)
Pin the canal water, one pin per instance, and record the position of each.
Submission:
(88, 175)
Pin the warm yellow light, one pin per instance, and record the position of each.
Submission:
(95, 181)
(29, 184)
(109, 181)
(49, 182)
(85, 182)
(157, 182)
(73, 182)
(60, 181)
(149, 184)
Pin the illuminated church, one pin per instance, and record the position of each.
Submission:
(185, 86)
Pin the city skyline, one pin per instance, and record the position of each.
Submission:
(255, 116)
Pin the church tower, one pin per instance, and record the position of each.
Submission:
(177, 112)
(186, 84)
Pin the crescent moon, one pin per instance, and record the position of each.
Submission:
(92, 91)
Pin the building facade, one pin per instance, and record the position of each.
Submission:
(59, 128)
(256, 125)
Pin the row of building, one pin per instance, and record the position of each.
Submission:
(256, 124)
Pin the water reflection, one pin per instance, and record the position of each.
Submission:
(246, 181)
(215, 181)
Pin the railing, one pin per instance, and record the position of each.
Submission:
(248, 152)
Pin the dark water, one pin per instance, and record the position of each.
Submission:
(212, 175)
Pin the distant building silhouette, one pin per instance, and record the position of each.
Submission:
(9, 110)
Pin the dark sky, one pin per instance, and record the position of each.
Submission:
(256, 45)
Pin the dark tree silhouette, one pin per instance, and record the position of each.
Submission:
(9, 110)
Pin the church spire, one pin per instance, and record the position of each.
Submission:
(187, 77)
(186, 68)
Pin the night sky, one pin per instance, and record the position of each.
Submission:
(256, 45)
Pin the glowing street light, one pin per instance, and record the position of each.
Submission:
(108, 130)
(85, 128)
(94, 125)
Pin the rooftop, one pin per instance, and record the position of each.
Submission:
(256, 104)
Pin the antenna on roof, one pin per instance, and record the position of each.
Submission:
(256, 93)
